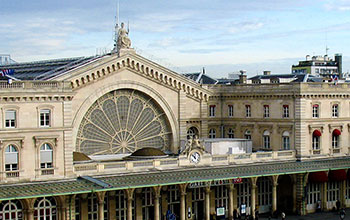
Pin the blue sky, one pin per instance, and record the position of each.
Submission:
(221, 35)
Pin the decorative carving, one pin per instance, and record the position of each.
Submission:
(39, 140)
(193, 144)
(17, 141)
(123, 41)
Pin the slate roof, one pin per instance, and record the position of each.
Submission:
(204, 79)
(46, 69)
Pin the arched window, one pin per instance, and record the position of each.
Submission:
(46, 156)
(121, 205)
(316, 140)
(247, 135)
(11, 158)
(45, 209)
(174, 199)
(230, 133)
(212, 133)
(335, 138)
(192, 132)
(266, 139)
(285, 141)
(11, 210)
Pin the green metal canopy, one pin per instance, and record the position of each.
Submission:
(166, 177)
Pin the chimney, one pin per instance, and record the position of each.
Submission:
(267, 73)
(242, 79)
(308, 57)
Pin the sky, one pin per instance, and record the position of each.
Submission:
(224, 36)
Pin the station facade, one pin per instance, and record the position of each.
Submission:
(69, 126)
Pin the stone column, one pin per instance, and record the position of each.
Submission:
(157, 196)
(129, 193)
(84, 206)
(207, 203)
(30, 214)
(324, 196)
(274, 193)
(301, 182)
(101, 201)
(230, 204)
(29, 208)
(183, 188)
(342, 194)
(111, 205)
(253, 196)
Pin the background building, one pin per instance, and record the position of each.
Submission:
(320, 65)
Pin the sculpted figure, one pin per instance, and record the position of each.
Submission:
(123, 38)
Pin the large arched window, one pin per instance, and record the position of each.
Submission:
(11, 210)
(230, 133)
(266, 139)
(11, 158)
(248, 135)
(316, 140)
(212, 133)
(285, 141)
(192, 132)
(46, 156)
(335, 138)
(45, 209)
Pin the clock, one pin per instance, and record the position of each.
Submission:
(195, 157)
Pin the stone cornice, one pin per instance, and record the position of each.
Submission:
(10, 98)
(139, 65)
(279, 96)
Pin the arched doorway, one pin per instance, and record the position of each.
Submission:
(285, 194)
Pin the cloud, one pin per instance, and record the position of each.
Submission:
(245, 27)
(338, 5)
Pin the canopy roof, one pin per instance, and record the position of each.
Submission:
(166, 177)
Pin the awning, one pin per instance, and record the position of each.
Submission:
(317, 133)
(337, 175)
(336, 132)
(318, 177)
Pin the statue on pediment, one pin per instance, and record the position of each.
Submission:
(123, 38)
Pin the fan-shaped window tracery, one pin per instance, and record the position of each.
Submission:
(123, 121)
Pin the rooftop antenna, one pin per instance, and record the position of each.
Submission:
(327, 49)
(116, 28)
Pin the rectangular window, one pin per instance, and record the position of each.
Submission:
(286, 145)
(335, 111)
(315, 143)
(44, 118)
(266, 142)
(315, 111)
(230, 110)
(285, 111)
(335, 141)
(248, 112)
(10, 119)
(212, 111)
(266, 111)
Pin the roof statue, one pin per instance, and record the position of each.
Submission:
(123, 41)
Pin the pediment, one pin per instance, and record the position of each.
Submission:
(129, 60)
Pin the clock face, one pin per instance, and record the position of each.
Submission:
(195, 157)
